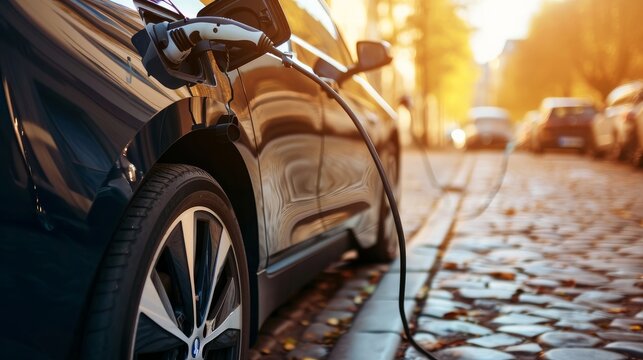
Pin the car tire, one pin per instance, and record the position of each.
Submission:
(386, 247)
(637, 159)
(593, 150)
(616, 151)
(147, 297)
(637, 150)
(630, 147)
(538, 148)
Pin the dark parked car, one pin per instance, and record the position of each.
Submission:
(489, 127)
(565, 123)
(143, 222)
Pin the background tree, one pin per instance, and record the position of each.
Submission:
(574, 48)
(433, 57)
(444, 66)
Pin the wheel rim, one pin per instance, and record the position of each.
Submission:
(190, 306)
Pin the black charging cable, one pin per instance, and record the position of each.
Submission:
(288, 62)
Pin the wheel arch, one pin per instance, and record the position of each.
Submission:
(184, 133)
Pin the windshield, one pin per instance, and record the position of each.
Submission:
(186, 8)
(573, 111)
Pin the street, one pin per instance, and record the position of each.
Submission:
(553, 269)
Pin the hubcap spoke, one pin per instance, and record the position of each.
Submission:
(233, 321)
(155, 305)
(208, 233)
(189, 240)
(225, 304)
(221, 258)
(222, 254)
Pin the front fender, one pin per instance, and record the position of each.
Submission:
(171, 136)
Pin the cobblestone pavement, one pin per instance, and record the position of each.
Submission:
(308, 326)
(552, 270)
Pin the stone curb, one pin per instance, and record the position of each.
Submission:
(365, 339)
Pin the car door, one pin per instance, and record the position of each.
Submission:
(286, 116)
(348, 183)
(350, 187)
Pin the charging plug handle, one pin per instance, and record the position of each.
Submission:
(177, 39)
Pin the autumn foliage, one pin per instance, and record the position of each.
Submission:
(574, 48)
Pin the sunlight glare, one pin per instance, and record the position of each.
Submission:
(495, 22)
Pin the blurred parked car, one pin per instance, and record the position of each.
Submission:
(524, 134)
(620, 118)
(489, 127)
(637, 131)
(565, 123)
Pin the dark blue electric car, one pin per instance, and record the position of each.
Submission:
(144, 218)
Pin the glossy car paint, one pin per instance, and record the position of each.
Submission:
(620, 103)
(287, 116)
(82, 124)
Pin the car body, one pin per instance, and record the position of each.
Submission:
(489, 127)
(83, 125)
(620, 116)
(565, 123)
(524, 134)
(637, 131)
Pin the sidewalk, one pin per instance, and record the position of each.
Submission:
(375, 332)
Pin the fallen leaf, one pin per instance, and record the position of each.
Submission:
(449, 266)
(332, 321)
(454, 314)
(329, 335)
(568, 282)
(503, 275)
(368, 290)
(622, 213)
(422, 294)
(289, 344)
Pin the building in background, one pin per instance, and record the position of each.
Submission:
(487, 90)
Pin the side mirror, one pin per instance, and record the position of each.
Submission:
(264, 15)
(372, 55)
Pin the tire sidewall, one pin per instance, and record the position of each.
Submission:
(184, 192)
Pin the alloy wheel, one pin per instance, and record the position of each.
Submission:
(190, 306)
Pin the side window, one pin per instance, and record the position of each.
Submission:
(638, 98)
(310, 21)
